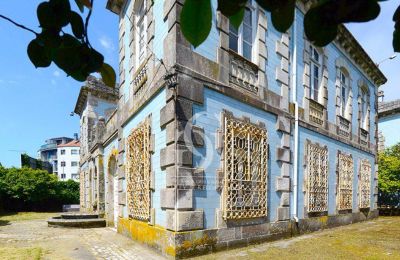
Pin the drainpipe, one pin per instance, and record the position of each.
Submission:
(296, 122)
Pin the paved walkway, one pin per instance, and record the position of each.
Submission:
(63, 243)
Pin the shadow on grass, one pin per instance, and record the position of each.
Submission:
(4, 222)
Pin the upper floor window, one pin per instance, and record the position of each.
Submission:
(241, 40)
(364, 108)
(62, 151)
(344, 91)
(74, 151)
(74, 164)
(140, 21)
(315, 73)
(62, 164)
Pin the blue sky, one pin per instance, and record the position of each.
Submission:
(35, 103)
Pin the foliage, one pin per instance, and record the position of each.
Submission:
(389, 170)
(71, 52)
(321, 21)
(29, 189)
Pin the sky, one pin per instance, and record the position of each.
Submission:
(35, 104)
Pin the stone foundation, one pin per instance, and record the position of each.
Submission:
(191, 243)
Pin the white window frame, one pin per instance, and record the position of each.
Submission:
(253, 11)
(140, 17)
(314, 90)
(344, 99)
(364, 108)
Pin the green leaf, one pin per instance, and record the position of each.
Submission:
(396, 40)
(318, 30)
(62, 10)
(237, 19)
(37, 54)
(231, 7)
(108, 75)
(396, 15)
(45, 15)
(80, 5)
(50, 38)
(77, 24)
(196, 21)
(94, 61)
(270, 5)
(282, 17)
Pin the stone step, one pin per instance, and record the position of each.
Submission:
(79, 216)
(77, 223)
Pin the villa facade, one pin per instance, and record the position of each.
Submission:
(253, 135)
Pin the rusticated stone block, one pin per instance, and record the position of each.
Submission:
(285, 199)
(282, 184)
(285, 141)
(283, 154)
(283, 124)
(188, 178)
(184, 155)
(167, 113)
(168, 195)
(167, 156)
(167, 198)
(283, 213)
(190, 89)
(122, 198)
(184, 110)
(185, 220)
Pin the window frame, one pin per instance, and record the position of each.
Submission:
(62, 151)
(364, 97)
(74, 150)
(344, 99)
(140, 17)
(63, 164)
(240, 34)
(315, 63)
(72, 164)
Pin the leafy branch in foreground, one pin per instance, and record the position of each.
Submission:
(321, 21)
(72, 53)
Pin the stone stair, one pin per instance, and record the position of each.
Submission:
(77, 220)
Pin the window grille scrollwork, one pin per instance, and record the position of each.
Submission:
(245, 170)
(138, 161)
(364, 192)
(317, 178)
(345, 184)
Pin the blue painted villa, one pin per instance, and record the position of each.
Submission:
(252, 136)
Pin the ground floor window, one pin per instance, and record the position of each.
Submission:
(345, 181)
(138, 161)
(245, 169)
(364, 184)
(317, 178)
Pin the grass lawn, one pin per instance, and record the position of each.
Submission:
(376, 239)
(21, 253)
(18, 216)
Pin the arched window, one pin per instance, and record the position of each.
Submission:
(344, 90)
(140, 22)
(241, 40)
(315, 72)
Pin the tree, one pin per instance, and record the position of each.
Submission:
(389, 170)
(74, 54)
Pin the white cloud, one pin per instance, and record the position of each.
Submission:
(106, 43)
(56, 73)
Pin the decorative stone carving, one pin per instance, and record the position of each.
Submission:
(245, 169)
(344, 127)
(139, 79)
(316, 112)
(317, 177)
(345, 181)
(364, 185)
(243, 73)
(139, 171)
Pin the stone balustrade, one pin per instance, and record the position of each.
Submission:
(243, 73)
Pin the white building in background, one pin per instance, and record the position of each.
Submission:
(68, 160)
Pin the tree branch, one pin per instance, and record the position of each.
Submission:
(18, 25)
(87, 23)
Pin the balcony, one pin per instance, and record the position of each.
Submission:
(364, 136)
(139, 79)
(46, 147)
(344, 127)
(243, 73)
(316, 112)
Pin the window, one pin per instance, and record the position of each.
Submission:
(138, 172)
(364, 184)
(317, 178)
(141, 33)
(63, 164)
(315, 73)
(364, 109)
(63, 176)
(345, 183)
(74, 151)
(241, 40)
(344, 92)
(75, 176)
(62, 151)
(74, 164)
(245, 170)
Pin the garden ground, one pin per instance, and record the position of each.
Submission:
(26, 236)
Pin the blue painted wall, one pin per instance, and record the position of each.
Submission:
(153, 107)
(390, 128)
(207, 157)
(333, 148)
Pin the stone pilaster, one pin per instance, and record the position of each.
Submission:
(282, 72)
